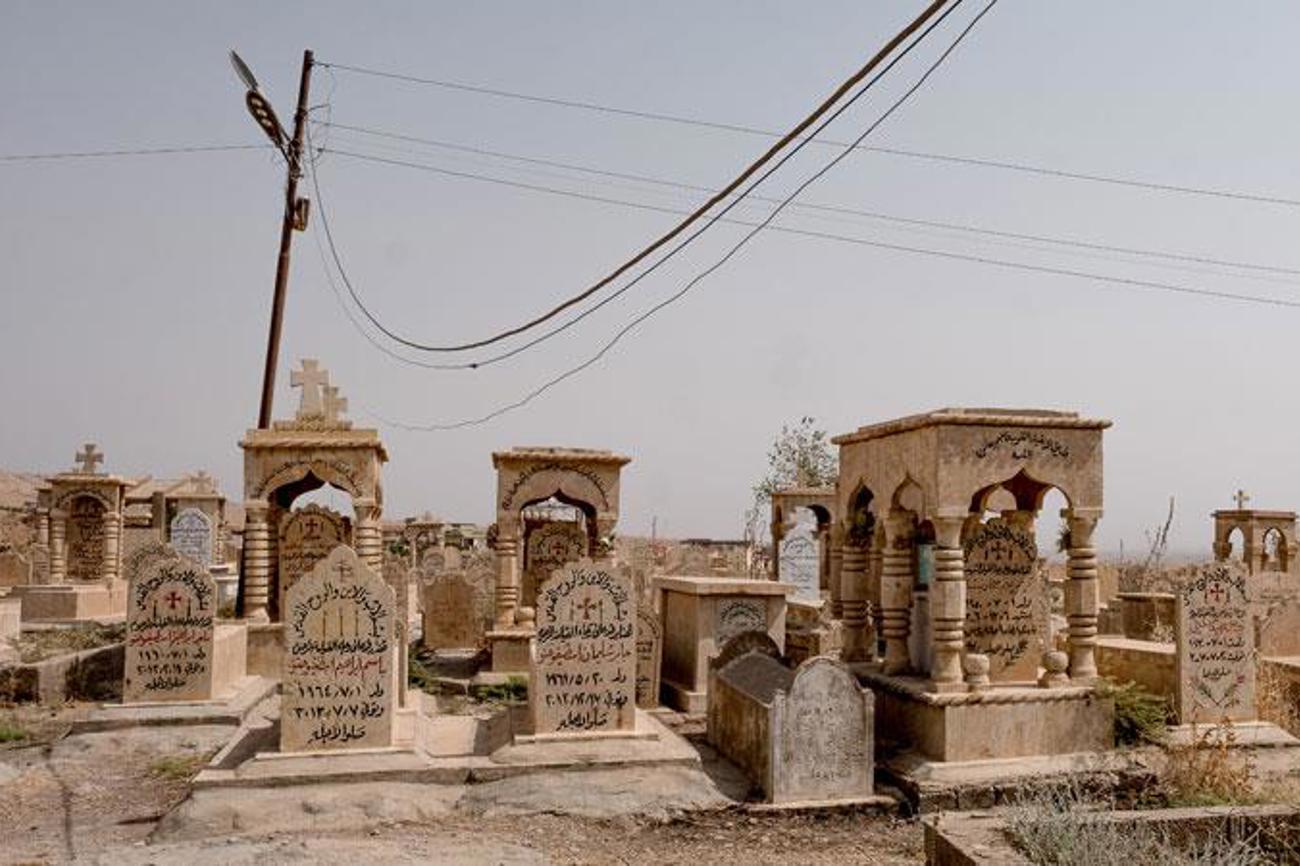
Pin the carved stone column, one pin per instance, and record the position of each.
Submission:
(43, 527)
(257, 561)
(112, 545)
(368, 535)
(947, 606)
(875, 568)
(896, 580)
(857, 645)
(58, 546)
(836, 575)
(507, 578)
(1081, 600)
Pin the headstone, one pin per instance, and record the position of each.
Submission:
(433, 562)
(1215, 639)
(823, 729)
(694, 561)
(191, 535)
(307, 535)
(649, 657)
(85, 539)
(799, 562)
(340, 664)
(736, 615)
(1006, 602)
(550, 545)
(170, 632)
(583, 676)
(15, 569)
(143, 556)
(451, 617)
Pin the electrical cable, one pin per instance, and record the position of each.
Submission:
(146, 151)
(810, 206)
(618, 336)
(793, 135)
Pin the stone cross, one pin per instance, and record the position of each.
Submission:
(334, 405)
(313, 380)
(1241, 499)
(202, 482)
(88, 458)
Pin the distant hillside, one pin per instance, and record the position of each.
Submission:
(18, 489)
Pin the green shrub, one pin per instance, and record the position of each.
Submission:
(1140, 716)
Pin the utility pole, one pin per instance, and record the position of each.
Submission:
(295, 208)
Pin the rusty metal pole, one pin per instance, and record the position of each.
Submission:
(291, 221)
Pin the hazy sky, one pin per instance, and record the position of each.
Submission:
(136, 290)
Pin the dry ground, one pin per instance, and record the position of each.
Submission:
(99, 798)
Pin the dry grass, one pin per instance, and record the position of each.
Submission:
(1208, 771)
(1278, 697)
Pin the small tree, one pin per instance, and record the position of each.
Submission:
(800, 456)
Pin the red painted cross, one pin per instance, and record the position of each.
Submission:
(586, 606)
(173, 599)
(1215, 593)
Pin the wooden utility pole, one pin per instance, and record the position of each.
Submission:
(295, 218)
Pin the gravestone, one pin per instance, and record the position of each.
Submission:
(649, 656)
(85, 539)
(736, 615)
(694, 561)
(307, 535)
(823, 727)
(1006, 601)
(584, 664)
(1214, 635)
(433, 562)
(170, 631)
(340, 662)
(550, 545)
(451, 616)
(191, 536)
(799, 562)
(15, 569)
(143, 557)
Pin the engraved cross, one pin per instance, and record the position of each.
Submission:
(173, 599)
(1241, 498)
(586, 606)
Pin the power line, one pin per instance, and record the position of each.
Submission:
(945, 254)
(573, 371)
(143, 151)
(810, 206)
(1004, 165)
(698, 213)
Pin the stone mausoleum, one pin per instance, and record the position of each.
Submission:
(962, 488)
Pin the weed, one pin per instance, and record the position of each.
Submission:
(10, 733)
(1140, 716)
(1206, 771)
(177, 768)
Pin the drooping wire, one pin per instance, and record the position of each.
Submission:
(793, 136)
(139, 151)
(713, 220)
(632, 325)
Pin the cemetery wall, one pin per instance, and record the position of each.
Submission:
(1150, 665)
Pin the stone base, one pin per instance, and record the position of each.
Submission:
(231, 709)
(1001, 722)
(72, 602)
(265, 653)
(509, 651)
(445, 750)
(679, 697)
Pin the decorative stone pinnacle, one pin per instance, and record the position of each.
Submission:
(314, 382)
(88, 458)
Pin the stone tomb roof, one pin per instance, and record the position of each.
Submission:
(758, 675)
(531, 453)
(974, 416)
(1252, 514)
(309, 437)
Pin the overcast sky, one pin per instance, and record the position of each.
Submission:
(136, 290)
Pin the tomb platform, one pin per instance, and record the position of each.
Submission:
(700, 614)
(231, 708)
(72, 602)
(439, 749)
(996, 722)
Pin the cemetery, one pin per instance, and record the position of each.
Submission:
(901, 649)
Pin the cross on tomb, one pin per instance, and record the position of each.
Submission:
(312, 379)
(1241, 499)
(89, 457)
(343, 570)
(334, 405)
(586, 606)
(173, 599)
(203, 482)
(1215, 592)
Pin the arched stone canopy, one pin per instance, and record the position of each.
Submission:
(1254, 526)
(942, 469)
(57, 504)
(294, 457)
(821, 501)
(583, 478)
